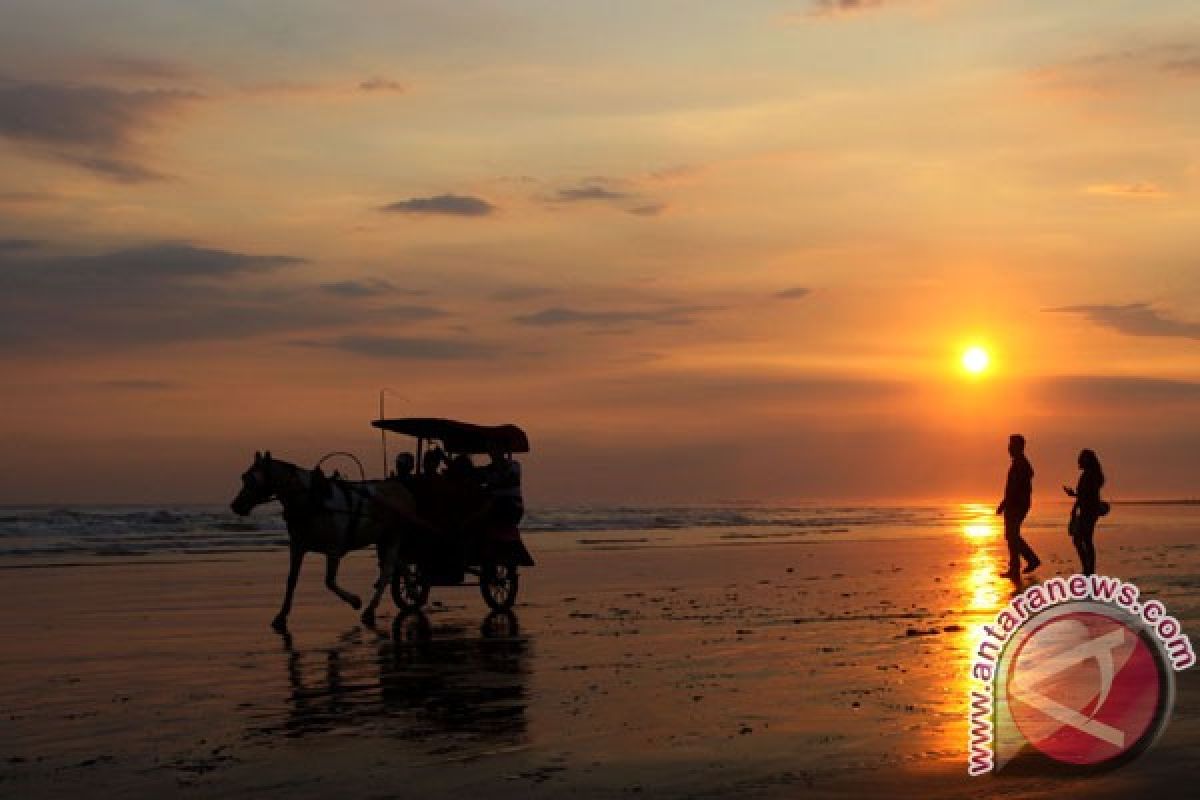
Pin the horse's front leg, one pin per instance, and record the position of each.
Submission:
(387, 567)
(296, 554)
(331, 570)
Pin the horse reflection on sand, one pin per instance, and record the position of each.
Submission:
(439, 684)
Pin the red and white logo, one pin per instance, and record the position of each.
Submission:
(1086, 687)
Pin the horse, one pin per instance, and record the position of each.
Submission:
(329, 517)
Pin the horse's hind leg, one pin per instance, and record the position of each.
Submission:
(296, 559)
(387, 565)
(331, 569)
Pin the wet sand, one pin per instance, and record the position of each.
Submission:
(756, 668)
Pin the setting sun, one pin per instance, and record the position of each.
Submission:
(975, 360)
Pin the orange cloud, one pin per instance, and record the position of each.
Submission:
(1139, 190)
(1118, 71)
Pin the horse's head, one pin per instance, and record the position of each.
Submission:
(258, 485)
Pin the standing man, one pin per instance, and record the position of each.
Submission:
(1018, 496)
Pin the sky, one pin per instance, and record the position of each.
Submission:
(700, 251)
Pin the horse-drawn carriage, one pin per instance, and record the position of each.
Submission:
(431, 527)
(467, 535)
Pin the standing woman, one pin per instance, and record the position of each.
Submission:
(1087, 509)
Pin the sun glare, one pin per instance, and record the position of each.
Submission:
(975, 360)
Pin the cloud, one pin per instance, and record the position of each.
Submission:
(172, 292)
(13, 245)
(671, 315)
(378, 84)
(594, 190)
(520, 292)
(795, 293)
(675, 173)
(412, 313)
(324, 91)
(26, 199)
(290, 89)
(138, 385)
(1120, 71)
(116, 169)
(822, 7)
(142, 67)
(62, 114)
(1188, 67)
(154, 294)
(581, 193)
(452, 204)
(1115, 393)
(1135, 319)
(826, 9)
(1131, 191)
(405, 348)
(135, 268)
(747, 389)
(95, 128)
(367, 287)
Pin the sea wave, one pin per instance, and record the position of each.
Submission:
(133, 531)
(138, 530)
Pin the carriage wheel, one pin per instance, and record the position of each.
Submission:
(410, 586)
(498, 583)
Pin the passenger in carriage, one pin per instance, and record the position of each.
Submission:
(502, 480)
(462, 469)
(432, 460)
(429, 488)
(405, 464)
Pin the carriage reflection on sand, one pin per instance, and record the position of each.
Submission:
(464, 535)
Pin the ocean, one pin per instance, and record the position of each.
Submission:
(55, 532)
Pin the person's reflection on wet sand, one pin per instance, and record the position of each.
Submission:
(441, 685)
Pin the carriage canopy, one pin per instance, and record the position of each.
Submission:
(459, 437)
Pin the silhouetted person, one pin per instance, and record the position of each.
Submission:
(1087, 509)
(405, 465)
(462, 469)
(432, 461)
(429, 485)
(502, 479)
(1018, 496)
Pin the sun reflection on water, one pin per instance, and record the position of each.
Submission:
(979, 583)
(978, 520)
(977, 530)
(981, 592)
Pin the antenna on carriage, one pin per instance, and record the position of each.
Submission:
(382, 432)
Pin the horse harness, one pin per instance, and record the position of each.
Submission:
(355, 501)
(318, 492)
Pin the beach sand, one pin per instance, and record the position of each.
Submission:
(636, 665)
